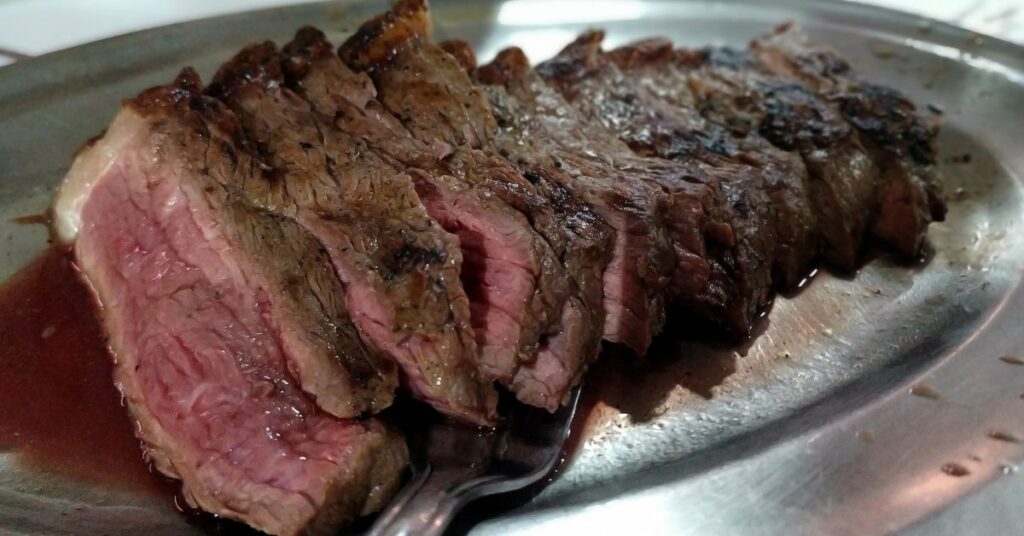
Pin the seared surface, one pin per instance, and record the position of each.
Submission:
(740, 254)
(428, 90)
(503, 257)
(536, 125)
(652, 69)
(399, 268)
(208, 322)
(735, 92)
(898, 139)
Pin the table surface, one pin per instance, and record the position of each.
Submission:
(33, 27)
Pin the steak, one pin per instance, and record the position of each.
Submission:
(652, 68)
(502, 256)
(399, 268)
(741, 260)
(214, 308)
(428, 90)
(536, 125)
(735, 92)
(898, 139)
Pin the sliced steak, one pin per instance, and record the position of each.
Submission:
(502, 257)
(900, 141)
(735, 92)
(428, 90)
(653, 70)
(742, 264)
(212, 306)
(536, 125)
(399, 268)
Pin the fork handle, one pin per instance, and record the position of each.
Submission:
(427, 504)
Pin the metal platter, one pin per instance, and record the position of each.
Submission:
(810, 428)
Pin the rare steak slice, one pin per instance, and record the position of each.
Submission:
(400, 269)
(898, 139)
(602, 92)
(652, 67)
(212, 306)
(736, 93)
(431, 93)
(505, 263)
(536, 125)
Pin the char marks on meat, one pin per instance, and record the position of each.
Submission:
(213, 308)
(898, 139)
(737, 240)
(733, 91)
(537, 126)
(431, 93)
(399, 268)
(769, 177)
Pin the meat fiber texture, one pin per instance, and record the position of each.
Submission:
(275, 255)
(206, 326)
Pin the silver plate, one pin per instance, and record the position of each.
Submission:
(809, 429)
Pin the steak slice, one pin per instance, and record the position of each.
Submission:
(536, 125)
(207, 320)
(652, 67)
(428, 90)
(602, 92)
(736, 93)
(399, 268)
(502, 256)
(899, 140)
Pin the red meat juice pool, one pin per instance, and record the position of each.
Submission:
(59, 409)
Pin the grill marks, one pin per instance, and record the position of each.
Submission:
(897, 140)
(399, 268)
(734, 235)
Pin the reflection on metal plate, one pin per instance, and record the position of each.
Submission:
(809, 428)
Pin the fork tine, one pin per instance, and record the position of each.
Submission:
(463, 464)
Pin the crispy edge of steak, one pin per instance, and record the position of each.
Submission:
(536, 124)
(738, 94)
(781, 175)
(735, 243)
(899, 140)
(433, 96)
(399, 268)
(500, 260)
(177, 252)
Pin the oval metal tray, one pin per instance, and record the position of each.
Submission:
(810, 428)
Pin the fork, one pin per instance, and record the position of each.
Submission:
(454, 465)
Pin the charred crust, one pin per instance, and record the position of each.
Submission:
(257, 64)
(308, 46)
(644, 52)
(891, 120)
(380, 39)
(461, 51)
(410, 257)
(509, 65)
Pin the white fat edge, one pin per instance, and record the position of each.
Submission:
(89, 165)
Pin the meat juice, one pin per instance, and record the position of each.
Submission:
(59, 409)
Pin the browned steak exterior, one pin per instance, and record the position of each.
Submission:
(652, 67)
(735, 92)
(741, 266)
(430, 92)
(214, 308)
(502, 259)
(899, 140)
(536, 125)
(400, 269)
